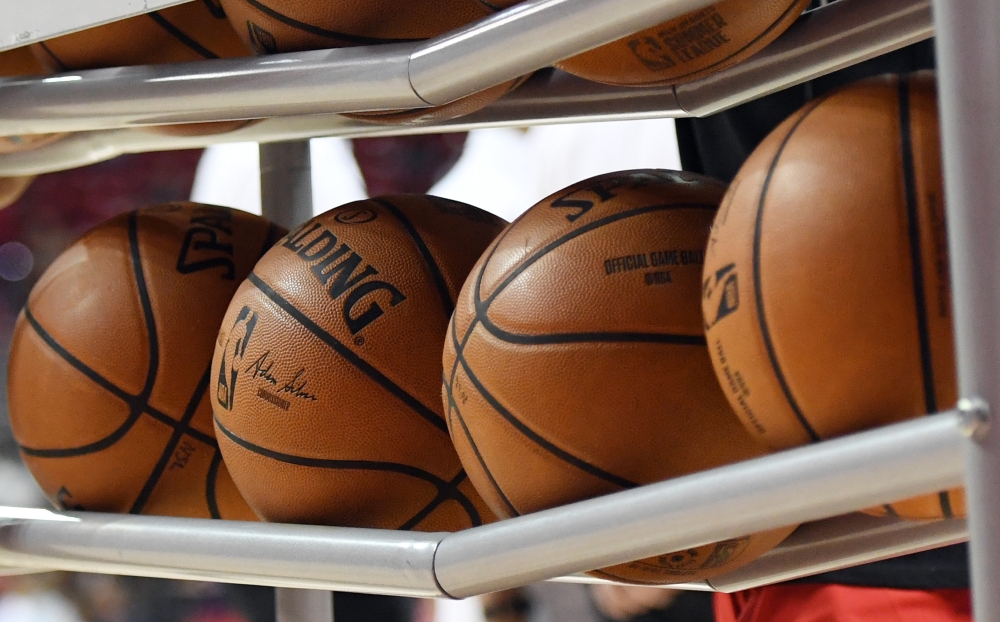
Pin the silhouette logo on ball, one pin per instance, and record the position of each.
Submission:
(232, 355)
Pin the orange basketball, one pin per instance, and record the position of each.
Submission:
(327, 369)
(689, 47)
(272, 26)
(21, 62)
(827, 296)
(575, 363)
(108, 381)
(192, 31)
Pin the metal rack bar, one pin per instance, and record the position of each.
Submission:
(828, 39)
(821, 42)
(352, 79)
(286, 183)
(838, 543)
(968, 53)
(810, 483)
(825, 545)
(527, 37)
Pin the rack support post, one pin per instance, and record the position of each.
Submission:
(968, 54)
(286, 199)
(293, 605)
(286, 183)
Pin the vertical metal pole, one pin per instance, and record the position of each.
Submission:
(286, 199)
(968, 53)
(286, 182)
(292, 605)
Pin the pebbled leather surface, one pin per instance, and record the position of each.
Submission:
(689, 47)
(575, 363)
(107, 382)
(831, 287)
(328, 365)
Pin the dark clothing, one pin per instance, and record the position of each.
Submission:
(717, 145)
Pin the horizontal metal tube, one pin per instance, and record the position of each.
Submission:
(826, 479)
(809, 483)
(548, 97)
(348, 79)
(529, 36)
(838, 543)
(340, 80)
(821, 42)
(304, 556)
(823, 546)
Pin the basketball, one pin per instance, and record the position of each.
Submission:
(576, 366)
(273, 26)
(192, 31)
(187, 32)
(689, 47)
(109, 374)
(21, 62)
(837, 318)
(327, 369)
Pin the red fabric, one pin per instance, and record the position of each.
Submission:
(841, 603)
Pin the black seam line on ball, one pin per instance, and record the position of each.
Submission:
(108, 386)
(215, 9)
(491, 6)
(538, 439)
(477, 292)
(759, 295)
(916, 254)
(182, 36)
(194, 433)
(76, 363)
(147, 310)
(482, 308)
(213, 474)
(596, 337)
(322, 32)
(453, 407)
(338, 347)
(442, 286)
(435, 503)
(890, 511)
(175, 439)
(916, 260)
(449, 384)
(774, 25)
(107, 441)
(587, 228)
(48, 50)
(346, 465)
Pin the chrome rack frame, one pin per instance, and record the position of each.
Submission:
(795, 486)
(819, 485)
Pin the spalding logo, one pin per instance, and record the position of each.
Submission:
(334, 267)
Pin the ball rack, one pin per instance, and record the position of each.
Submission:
(820, 486)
